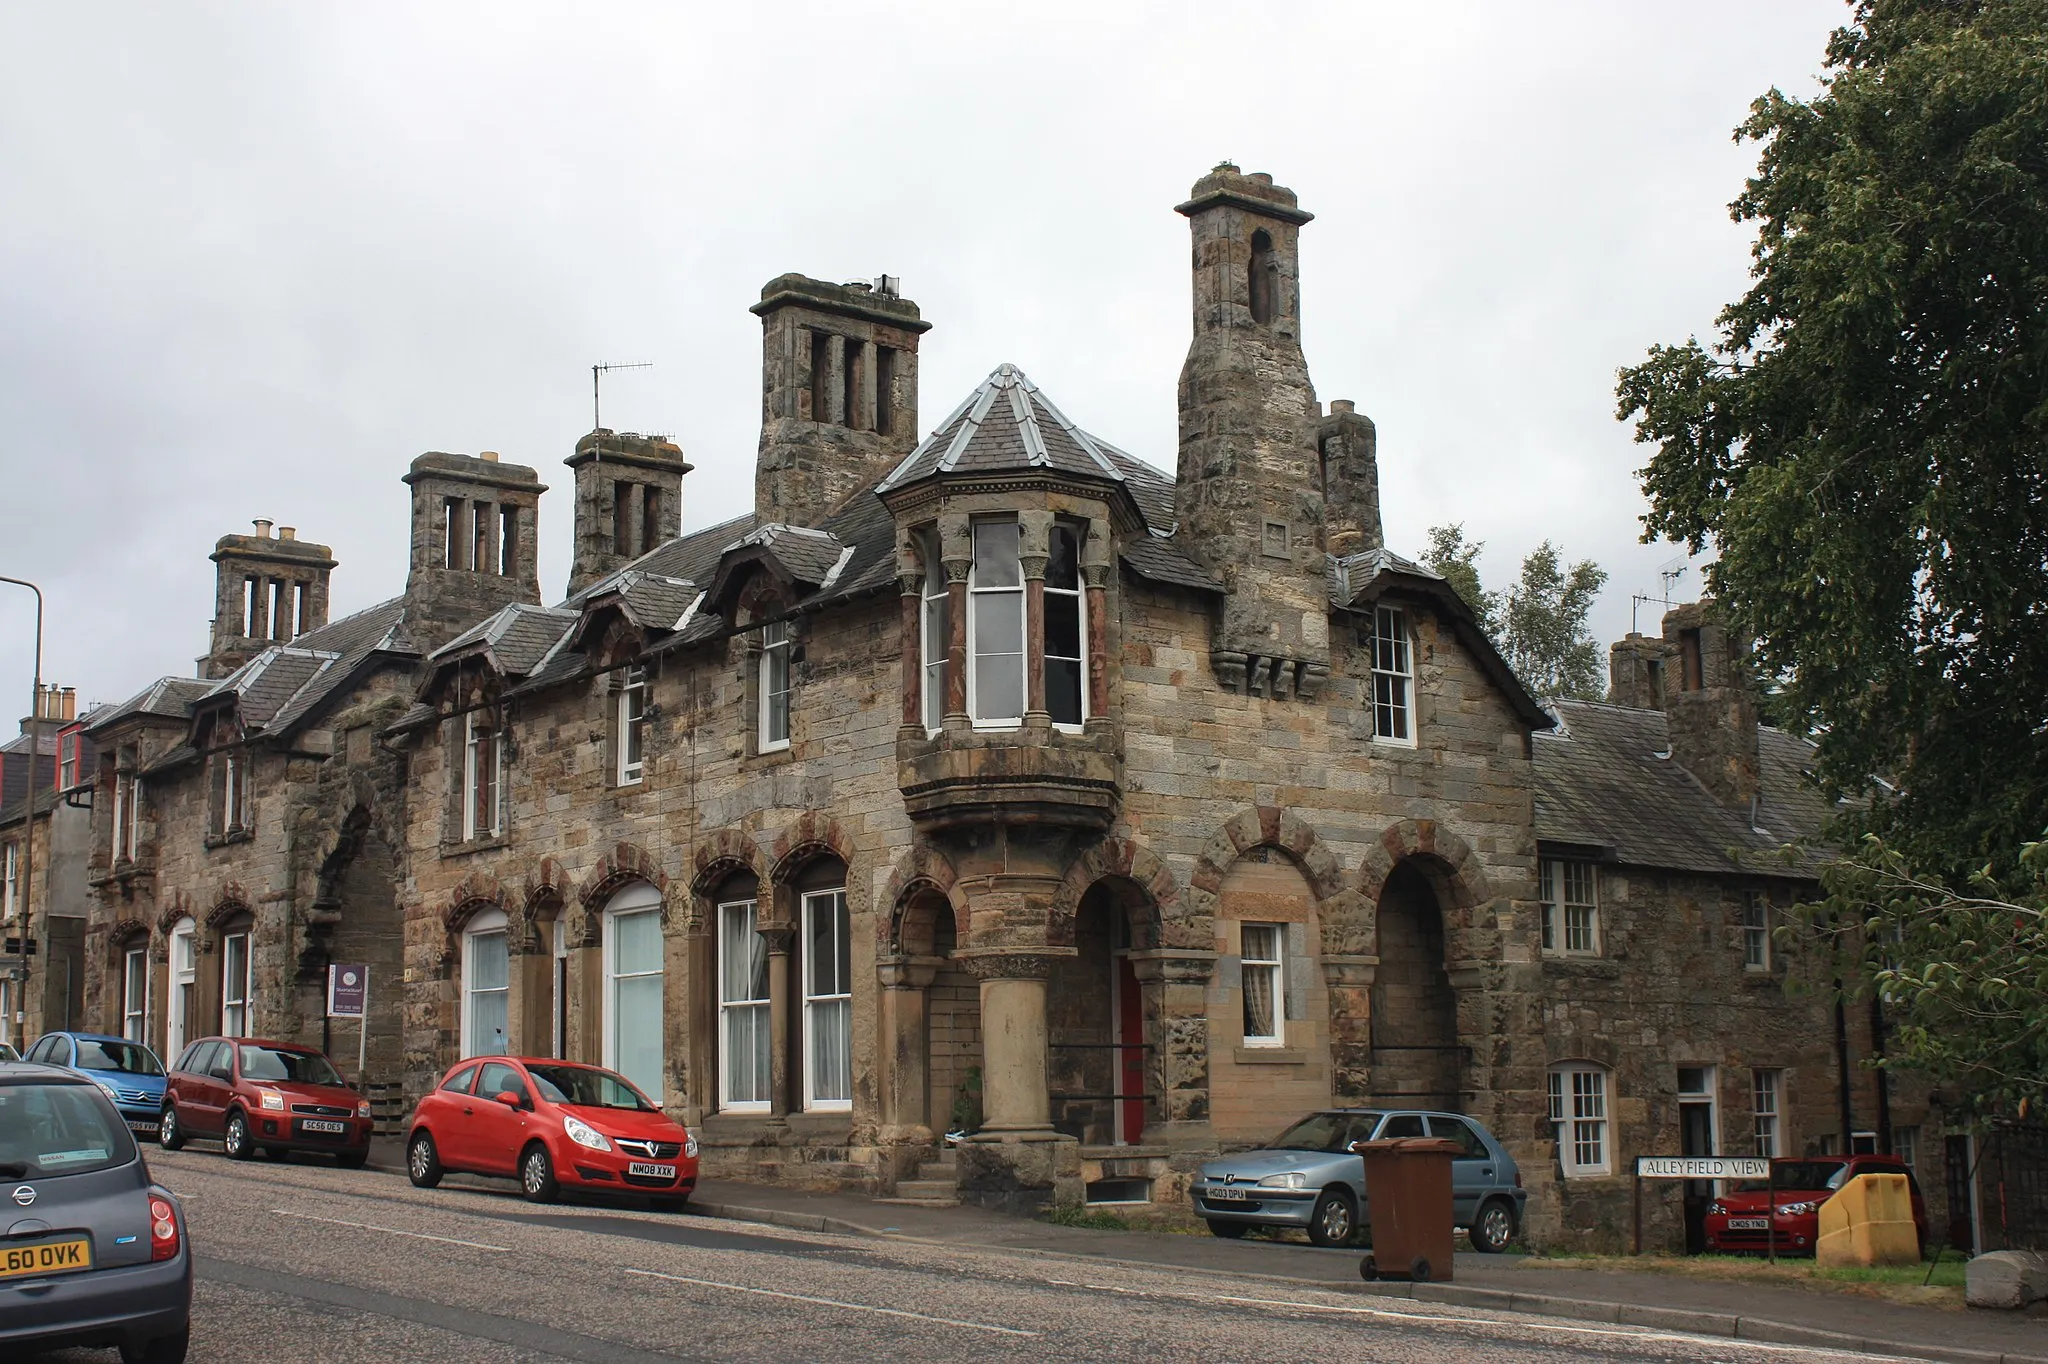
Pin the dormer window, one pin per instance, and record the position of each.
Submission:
(995, 627)
(483, 786)
(774, 686)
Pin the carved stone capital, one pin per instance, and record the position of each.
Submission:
(1006, 964)
(1347, 970)
(778, 939)
(906, 973)
(1174, 965)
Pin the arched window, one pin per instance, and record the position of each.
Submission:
(743, 1020)
(1264, 282)
(184, 973)
(486, 977)
(633, 987)
(1578, 1119)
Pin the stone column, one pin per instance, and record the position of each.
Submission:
(1178, 1029)
(1016, 1162)
(1095, 566)
(1033, 551)
(1350, 980)
(701, 1042)
(781, 1024)
(911, 587)
(835, 381)
(956, 552)
(905, 1090)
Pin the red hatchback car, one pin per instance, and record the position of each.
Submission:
(1740, 1220)
(271, 1096)
(551, 1125)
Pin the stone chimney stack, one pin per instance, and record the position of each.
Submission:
(1351, 480)
(838, 392)
(1710, 704)
(266, 591)
(1638, 670)
(1250, 495)
(475, 522)
(629, 498)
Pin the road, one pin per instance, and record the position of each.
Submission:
(303, 1262)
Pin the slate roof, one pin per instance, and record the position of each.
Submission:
(515, 638)
(1005, 425)
(167, 698)
(1602, 781)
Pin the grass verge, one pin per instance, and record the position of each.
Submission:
(1893, 1283)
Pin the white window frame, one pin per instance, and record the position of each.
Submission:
(935, 639)
(10, 879)
(123, 844)
(67, 762)
(242, 998)
(1906, 1145)
(816, 1002)
(741, 914)
(1274, 967)
(1571, 907)
(135, 1012)
(975, 593)
(1767, 1106)
(558, 965)
(775, 651)
(638, 899)
(483, 803)
(1580, 1125)
(234, 785)
(488, 923)
(630, 721)
(7, 1011)
(1079, 594)
(131, 830)
(184, 984)
(1756, 931)
(1392, 696)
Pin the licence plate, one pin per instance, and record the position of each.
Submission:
(1749, 1224)
(1225, 1194)
(322, 1125)
(51, 1257)
(652, 1171)
(138, 1125)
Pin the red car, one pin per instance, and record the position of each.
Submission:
(1740, 1220)
(254, 1094)
(551, 1125)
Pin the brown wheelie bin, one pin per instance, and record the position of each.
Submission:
(1408, 1195)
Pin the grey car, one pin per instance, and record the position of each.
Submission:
(1308, 1177)
(92, 1253)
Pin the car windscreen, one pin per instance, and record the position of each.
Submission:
(58, 1130)
(275, 1063)
(1799, 1174)
(587, 1088)
(128, 1057)
(1325, 1132)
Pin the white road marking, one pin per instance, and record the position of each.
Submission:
(833, 1302)
(389, 1231)
(1513, 1321)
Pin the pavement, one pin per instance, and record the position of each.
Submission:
(1733, 1309)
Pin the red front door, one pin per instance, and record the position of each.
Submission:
(1130, 1054)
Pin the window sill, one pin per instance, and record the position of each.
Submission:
(1408, 745)
(462, 848)
(1269, 1056)
(235, 835)
(772, 757)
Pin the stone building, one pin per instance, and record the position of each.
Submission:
(44, 900)
(993, 780)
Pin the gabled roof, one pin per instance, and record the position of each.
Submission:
(1606, 780)
(796, 556)
(167, 698)
(1005, 426)
(514, 639)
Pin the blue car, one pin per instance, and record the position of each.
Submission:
(127, 1072)
(1308, 1177)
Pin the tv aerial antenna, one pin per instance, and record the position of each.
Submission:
(597, 371)
(1668, 575)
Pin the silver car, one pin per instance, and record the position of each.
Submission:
(1308, 1177)
(91, 1252)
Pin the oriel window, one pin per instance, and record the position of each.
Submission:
(1066, 654)
(937, 636)
(995, 626)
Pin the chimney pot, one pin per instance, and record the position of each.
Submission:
(287, 533)
(488, 456)
(1343, 405)
(262, 528)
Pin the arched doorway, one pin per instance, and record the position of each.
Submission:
(1099, 1067)
(1416, 1061)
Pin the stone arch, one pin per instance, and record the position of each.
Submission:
(544, 896)
(922, 868)
(120, 937)
(231, 900)
(622, 865)
(720, 855)
(478, 891)
(1122, 858)
(814, 834)
(1443, 859)
(175, 908)
(1345, 922)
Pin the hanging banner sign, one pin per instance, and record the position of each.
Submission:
(1702, 1167)
(348, 990)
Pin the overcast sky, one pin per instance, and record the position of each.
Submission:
(255, 257)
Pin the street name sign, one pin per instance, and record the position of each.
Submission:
(1702, 1167)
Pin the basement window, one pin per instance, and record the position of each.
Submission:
(1120, 1191)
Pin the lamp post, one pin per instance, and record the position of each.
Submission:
(19, 971)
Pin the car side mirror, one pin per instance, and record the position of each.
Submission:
(510, 1100)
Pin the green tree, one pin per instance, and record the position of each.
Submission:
(1863, 441)
(1539, 624)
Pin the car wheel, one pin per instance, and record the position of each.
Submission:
(537, 1175)
(422, 1162)
(352, 1160)
(1334, 1220)
(170, 1133)
(1229, 1231)
(162, 1350)
(235, 1137)
(1494, 1228)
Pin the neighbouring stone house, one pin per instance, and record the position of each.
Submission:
(44, 900)
(992, 779)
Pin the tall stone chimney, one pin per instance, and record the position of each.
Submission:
(267, 590)
(838, 392)
(475, 521)
(1351, 480)
(629, 498)
(1710, 705)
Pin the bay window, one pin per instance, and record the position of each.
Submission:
(743, 1029)
(995, 627)
(935, 637)
(1066, 668)
(828, 1002)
